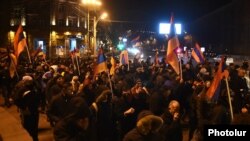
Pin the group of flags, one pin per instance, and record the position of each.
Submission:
(19, 45)
(101, 64)
(172, 59)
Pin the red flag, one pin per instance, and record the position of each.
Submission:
(19, 41)
(13, 64)
(214, 89)
(36, 52)
(173, 44)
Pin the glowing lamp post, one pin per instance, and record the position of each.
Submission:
(102, 17)
(90, 4)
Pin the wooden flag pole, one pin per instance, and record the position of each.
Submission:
(229, 100)
(110, 84)
(28, 54)
(78, 69)
(15, 68)
(181, 70)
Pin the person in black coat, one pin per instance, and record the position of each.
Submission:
(27, 100)
(240, 89)
(80, 119)
(73, 127)
(171, 129)
(58, 105)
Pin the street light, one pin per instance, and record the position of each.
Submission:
(102, 17)
(90, 4)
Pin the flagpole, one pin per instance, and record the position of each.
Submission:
(14, 68)
(77, 65)
(28, 53)
(229, 100)
(180, 69)
(179, 58)
(110, 84)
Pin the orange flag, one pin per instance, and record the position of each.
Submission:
(173, 44)
(19, 41)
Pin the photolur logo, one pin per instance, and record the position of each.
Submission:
(227, 133)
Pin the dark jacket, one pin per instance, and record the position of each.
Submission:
(69, 129)
(171, 129)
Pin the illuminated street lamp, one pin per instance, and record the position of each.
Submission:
(90, 4)
(102, 17)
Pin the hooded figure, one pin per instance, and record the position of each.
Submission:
(73, 127)
(146, 129)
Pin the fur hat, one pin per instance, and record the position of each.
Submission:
(147, 122)
(27, 78)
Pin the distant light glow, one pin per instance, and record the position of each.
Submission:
(142, 56)
(164, 28)
(40, 44)
(185, 48)
(124, 39)
(202, 49)
(133, 50)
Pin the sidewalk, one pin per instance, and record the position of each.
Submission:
(12, 130)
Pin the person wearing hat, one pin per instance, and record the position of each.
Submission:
(147, 128)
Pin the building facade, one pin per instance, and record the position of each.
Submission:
(57, 26)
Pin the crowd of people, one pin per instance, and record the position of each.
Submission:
(141, 101)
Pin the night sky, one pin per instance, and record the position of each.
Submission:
(156, 11)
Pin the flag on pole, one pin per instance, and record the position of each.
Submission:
(35, 53)
(113, 63)
(13, 64)
(19, 41)
(101, 62)
(197, 54)
(124, 58)
(173, 44)
(214, 90)
(136, 39)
